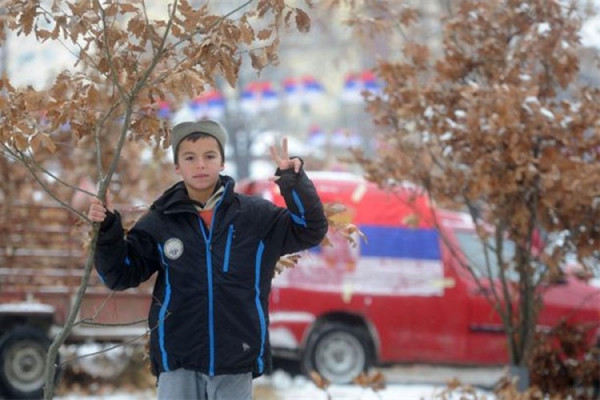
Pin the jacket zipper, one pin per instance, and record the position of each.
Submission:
(211, 316)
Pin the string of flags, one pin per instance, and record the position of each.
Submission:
(210, 104)
(340, 138)
(260, 96)
(303, 90)
(356, 84)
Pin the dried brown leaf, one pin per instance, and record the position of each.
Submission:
(136, 26)
(408, 16)
(127, 8)
(48, 143)
(264, 34)
(259, 59)
(230, 68)
(27, 18)
(320, 381)
(35, 142)
(111, 10)
(302, 20)
(43, 35)
(21, 142)
(361, 380)
(247, 33)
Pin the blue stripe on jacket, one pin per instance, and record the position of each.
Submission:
(259, 309)
(228, 248)
(298, 219)
(163, 311)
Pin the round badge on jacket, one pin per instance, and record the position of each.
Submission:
(173, 248)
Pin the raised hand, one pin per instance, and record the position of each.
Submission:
(282, 159)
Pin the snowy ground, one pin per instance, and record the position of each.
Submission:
(282, 386)
(109, 376)
(303, 390)
(418, 382)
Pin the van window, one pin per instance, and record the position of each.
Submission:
(472, 247)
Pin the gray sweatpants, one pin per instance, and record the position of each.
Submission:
(183, 384)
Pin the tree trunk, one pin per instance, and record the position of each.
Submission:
(52, 356)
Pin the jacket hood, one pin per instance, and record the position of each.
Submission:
(176, 196)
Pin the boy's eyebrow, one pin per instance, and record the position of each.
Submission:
(193, 152)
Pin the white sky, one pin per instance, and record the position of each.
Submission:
(590, 32)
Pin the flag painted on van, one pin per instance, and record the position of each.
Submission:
(395, 261)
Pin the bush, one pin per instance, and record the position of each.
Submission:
(563, 364)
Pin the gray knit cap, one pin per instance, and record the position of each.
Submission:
(184, 129)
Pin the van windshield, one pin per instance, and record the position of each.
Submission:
(474, 250)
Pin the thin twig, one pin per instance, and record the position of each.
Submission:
(132, 340)
(99, 310)
(90, 322)
(106, 350)
(212, 26)
(32, 170)
(107, 53)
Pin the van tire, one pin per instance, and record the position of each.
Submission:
(22, 362)
(338, 352)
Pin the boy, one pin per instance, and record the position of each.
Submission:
(214, 252)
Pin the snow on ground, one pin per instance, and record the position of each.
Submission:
(306, 390)
(282, 386)
(403, 382)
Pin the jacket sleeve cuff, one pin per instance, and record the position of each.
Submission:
(111, 229)
(288, 177)
(109, 221)
(282, 172)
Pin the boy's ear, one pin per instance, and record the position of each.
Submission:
(177, 170)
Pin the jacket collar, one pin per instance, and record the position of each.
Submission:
(176, 199)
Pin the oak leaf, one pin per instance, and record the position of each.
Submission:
(320, 381)
(302, 20)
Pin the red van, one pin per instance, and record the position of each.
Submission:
(400, 295)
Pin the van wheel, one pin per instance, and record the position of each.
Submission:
(22, 362)
(338, 352)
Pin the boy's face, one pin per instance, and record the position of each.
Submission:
(199, 164)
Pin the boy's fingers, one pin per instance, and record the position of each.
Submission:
(109, 201)
(283, 160)
(274, 155)
(97, 212)
(284, 148)
(297, 164)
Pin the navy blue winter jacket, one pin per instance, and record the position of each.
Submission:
(209, 310)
